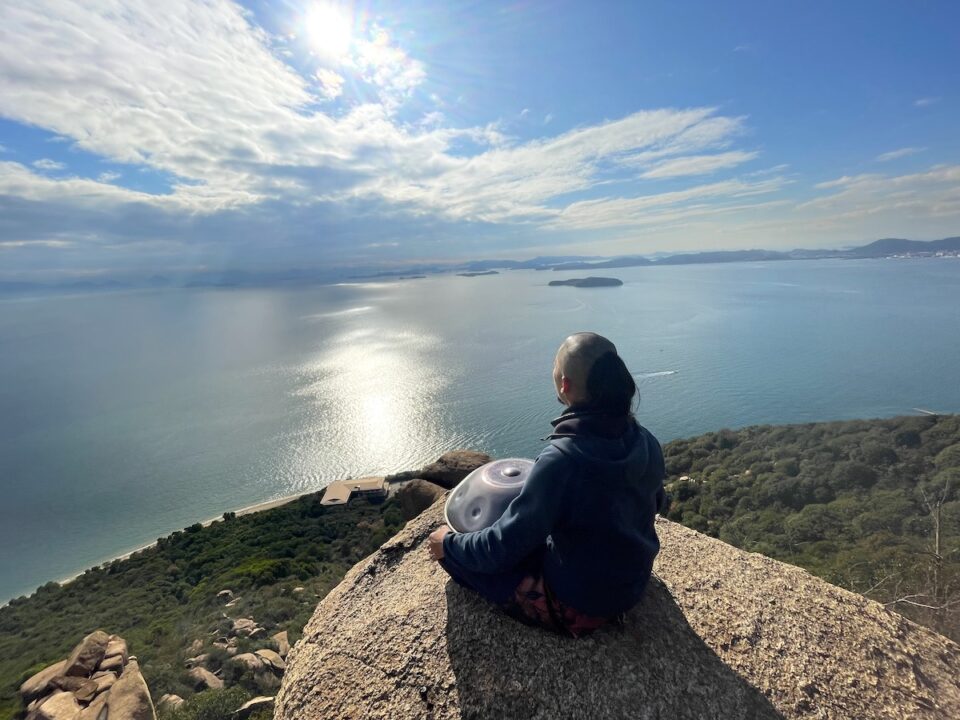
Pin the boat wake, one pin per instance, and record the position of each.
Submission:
(659, 373)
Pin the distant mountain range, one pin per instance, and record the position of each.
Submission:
(885, 248)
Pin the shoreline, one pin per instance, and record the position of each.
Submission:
(247, 510)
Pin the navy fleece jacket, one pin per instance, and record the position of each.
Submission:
(590, 500)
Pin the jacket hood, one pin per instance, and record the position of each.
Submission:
(600, 438)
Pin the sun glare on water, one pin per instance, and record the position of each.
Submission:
(329, 28)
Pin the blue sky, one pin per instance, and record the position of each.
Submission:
(142, 137)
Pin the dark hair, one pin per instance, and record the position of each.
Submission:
(610, 385)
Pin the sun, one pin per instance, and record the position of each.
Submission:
(329, 29)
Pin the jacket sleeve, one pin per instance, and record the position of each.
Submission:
(525, 524)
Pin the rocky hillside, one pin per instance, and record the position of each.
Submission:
(721, 633)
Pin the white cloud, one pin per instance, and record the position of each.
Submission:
(548, 118)
(108, 177)
(387, 66)
(698, 164)
(193, 91)
(524, 112)
(653, 209)
(926, 101)
(331, 83)
(897, 154)
(516, 183)
(48, 164)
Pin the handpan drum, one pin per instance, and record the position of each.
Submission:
(483, 496)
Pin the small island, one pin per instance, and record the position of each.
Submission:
(478, 274)
(589, 282)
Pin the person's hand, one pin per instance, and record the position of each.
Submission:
(435, 542)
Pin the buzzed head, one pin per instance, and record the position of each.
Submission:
(573, 363)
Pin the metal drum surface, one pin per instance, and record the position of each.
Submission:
(481, 498)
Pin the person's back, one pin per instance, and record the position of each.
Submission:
(576, 547)
(603, 545)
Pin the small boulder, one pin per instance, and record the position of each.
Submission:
(225, 594)
(233, 602)
(198, 661)
(416, 496)
(195, 647)
(202, 679)
(282, 643)
(129, 698)
(69, 684)
(87, 691)
(243, 626)
(250, 661)
(169, 702)
(87, 655)
(59, 706)
(271, 658)
(257, 633)
(113, 664)
(250, 707)
(104, 680)
(39, 684)
(116, 646)
(297, 590)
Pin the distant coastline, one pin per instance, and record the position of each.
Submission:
(887, 248)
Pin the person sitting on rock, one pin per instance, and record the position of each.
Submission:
(575, 548)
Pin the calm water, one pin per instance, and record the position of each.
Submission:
(124, 417)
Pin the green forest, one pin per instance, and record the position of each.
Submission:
(872, 506)
(163, 598)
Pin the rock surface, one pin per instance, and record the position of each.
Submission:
(720, 634)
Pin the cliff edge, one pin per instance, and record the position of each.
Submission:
(720, 634)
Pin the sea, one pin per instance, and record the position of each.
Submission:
(127, 415)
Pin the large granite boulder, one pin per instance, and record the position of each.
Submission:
(61, 705)
(88, 654)
(129, 698)
(99, 680)
(720, 634)
(42, 682)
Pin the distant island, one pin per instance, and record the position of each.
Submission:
(478, 274)
(588, 282)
